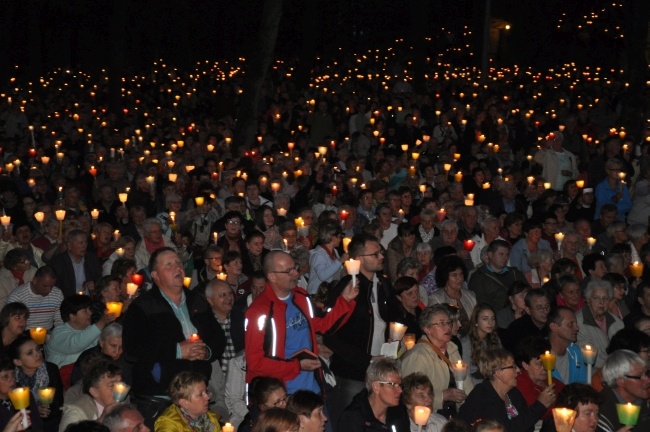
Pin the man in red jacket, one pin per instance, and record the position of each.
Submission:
(281, 327)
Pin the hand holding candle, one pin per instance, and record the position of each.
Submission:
(628, 414)
(397, 331)
(120, 390)
(38, 335)
(46, 395)
(563, 419)
(421, 416)
(636, 269)
(589, 354)
(20, 400)
(460, 371)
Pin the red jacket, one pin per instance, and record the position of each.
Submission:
(266, 332)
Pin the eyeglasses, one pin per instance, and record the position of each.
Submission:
(394, 385)
(376, 254)
(542, 308)
(294, 268)
(513, 367)
(442, 324)
(281, 401)
(204, 393)
(645, 374)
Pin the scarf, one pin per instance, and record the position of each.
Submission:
(39, 380)
(18, 276)
(152, 247)
(202, 424)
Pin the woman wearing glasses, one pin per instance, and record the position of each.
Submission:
(264, 393)
(497, 398)
(378, 407)
(189, 409)
(433, 356)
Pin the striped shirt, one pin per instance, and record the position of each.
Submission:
(43, 311)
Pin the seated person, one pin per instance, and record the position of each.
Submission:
(106, 290)
(33, 372)
(8, 383)
(583, 399)
(110, 346)
(13, 322)
(418, 391)
(75, 335)
(97, 393)
(189, 409)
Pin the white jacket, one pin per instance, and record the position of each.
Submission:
(591, 334)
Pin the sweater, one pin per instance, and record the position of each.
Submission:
(66, 343)
(172, 420)
(359, 417)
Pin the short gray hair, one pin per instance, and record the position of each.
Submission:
(449, 223)
(407, 264)
(636, 231)
(379, 371)
(539, 256)
(113, 329)
(113, 420)
(327, 231)
(148, 223)
(613, 227)
(599, 284)
(212, 285)
(488, 220)
(423, 247)
(431, 311)
(618, 364)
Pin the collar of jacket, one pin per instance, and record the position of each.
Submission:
(588, 318)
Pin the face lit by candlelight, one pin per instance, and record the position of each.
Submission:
(17, 324)
(587, 417)
(535, 371)
(7, 382)
(30, 356)
(220, 298)
(102, 391)
(111, 346)
(168, 271)
(112, 292)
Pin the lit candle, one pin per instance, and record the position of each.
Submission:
(187, 281)
(20, 400)
(460, 370)
(115, 308)
(137, 279)
(227, 428)
(344, 215)
(421, 416)
(38, 335)
(222, 276)
(131, 288)
(591, 241)
(5, 220)
(469, 202)
(628, 414)
(441, 214)
(215, 237)
(46, 395)
(194, 337)
(120, 390)
(486, 185)
(346, 243)
(458, 177)
(409, 341)
(116, 235)
(530, 180)
(636, 269)
(563, 419)
(94, 214)
(282, 212)
(470, 196)
(559, 237)
(548, 361)
(275, 187)
(352, 266)
(589, 356)
(423, 188)
(547, 185)
(120, 252)
(468, 245)
(397, 331)
(447, 167)
(580, 183)
(199, 201)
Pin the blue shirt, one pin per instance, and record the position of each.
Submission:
(298, 337)
(183, 315)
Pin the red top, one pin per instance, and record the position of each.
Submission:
(531, 391)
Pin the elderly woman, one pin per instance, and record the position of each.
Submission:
(402, 246)
(377, 407)
(490, 231)
(497, 398)
(309, 407)
(597, 325)
(325, 263)
(531, 243)
(433, 356)
(585, 401)
(449, 237)
(451, 274)
(189, 410)
(532, 381)
(570, 250)
(516, 304)
(540, 263)
(418, 391)
(424, 255)
(411, 267)
(17, 270)
(569, 294)
(34, 372)
(615, 233)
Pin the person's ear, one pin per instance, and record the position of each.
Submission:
(93, 392)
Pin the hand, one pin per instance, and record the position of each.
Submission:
(344, 257)
(351, 292)
(15, 423)
(193, 350)
(453, 395)
(305, 242)
(547, 397)
(44, 410)
(309, 364)
(105, 320)
(89, 286)
(625, 429)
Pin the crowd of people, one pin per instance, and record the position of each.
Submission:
(259, 288)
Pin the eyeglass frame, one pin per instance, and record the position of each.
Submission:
(394, 385)
(295, 268)
(282, 400)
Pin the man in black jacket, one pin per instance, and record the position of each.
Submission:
(168, 329)
(358, 343)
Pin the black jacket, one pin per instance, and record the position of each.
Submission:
(151, 332)
(351, 344)
(65, 277)
(484, 403)
(358, 417)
